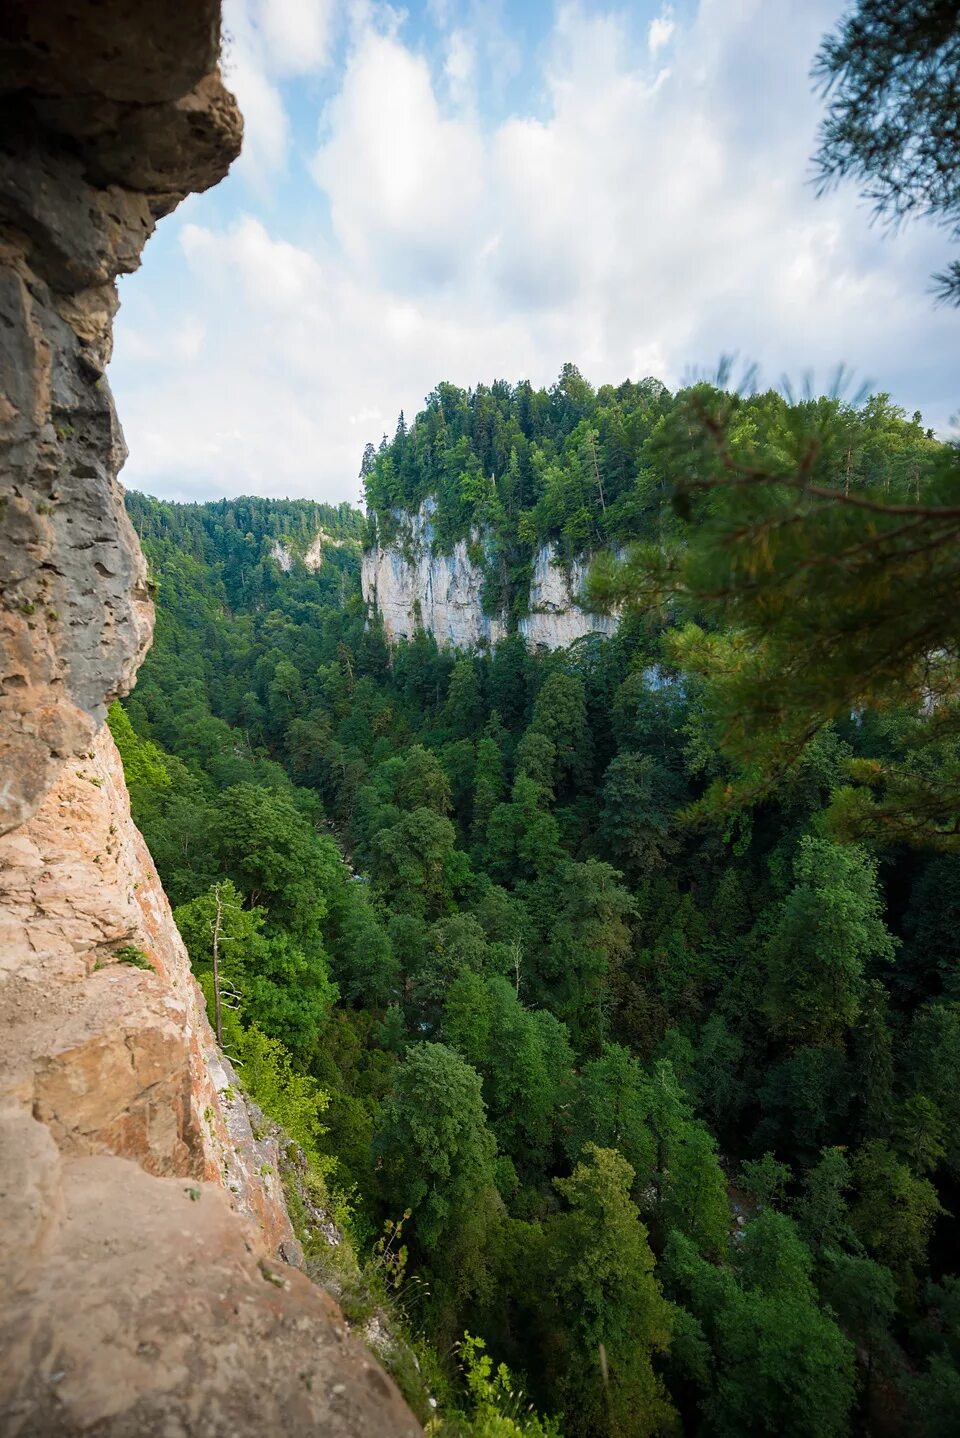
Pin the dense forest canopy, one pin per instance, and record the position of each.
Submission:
(656, 1095)
(583, 469)
(612, 995)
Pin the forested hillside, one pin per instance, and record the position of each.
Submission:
(582, 469)
(651, 1072)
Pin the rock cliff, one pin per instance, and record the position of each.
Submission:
(555, 616)
(285, 555)
(142, 1231)
(412, 586)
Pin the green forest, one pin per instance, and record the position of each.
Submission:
(612, 994)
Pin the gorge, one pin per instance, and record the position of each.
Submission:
(432, 1004)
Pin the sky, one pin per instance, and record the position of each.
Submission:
(469, 190)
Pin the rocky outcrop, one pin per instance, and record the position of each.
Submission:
(411, 586)
(556, 616)
(143, 1309)
(313, 555)
(281, 556)
(107, 1041)
(111, 113)
(286, 553)
(142, 1224)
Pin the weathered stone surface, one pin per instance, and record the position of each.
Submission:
(140, 51)
(556, 616)
(158, 1312)
(150, 1304)
(109, 114)
(142, 1304)
(412, 586)
(140, 1216)
(113, 1058)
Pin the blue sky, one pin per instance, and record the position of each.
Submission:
(463, 190)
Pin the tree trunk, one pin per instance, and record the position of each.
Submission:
(216, 929)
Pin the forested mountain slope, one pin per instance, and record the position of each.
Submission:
(515, 471)
(667, 1112)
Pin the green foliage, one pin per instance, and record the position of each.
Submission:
(478, 959)
(143, 762)
(286, 988)
(416, 864)
(611, 1107)
(933, 1392)
(782, 1364)
(805, 525)
(136, 959)
(893, 1211)
(863, 1295)
(822, 1210)
(933, 1065)
(640, 798)
(294, 1100)
(613, 1315)
(274, 857)
(494, 1400)
(240, 933)
(891, 86)
(765, 1180)
(829, 931)
(435, 1155)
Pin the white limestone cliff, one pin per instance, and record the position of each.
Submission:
(556, 616)
(412, 586)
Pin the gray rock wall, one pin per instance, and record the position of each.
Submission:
(109, 114)
(412, 586)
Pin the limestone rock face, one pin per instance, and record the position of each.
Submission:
(412, 586)
(556, 615)
(282, 556)
(142, 1222)
(111, 113)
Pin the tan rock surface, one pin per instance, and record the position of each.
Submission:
(115, 1111)
(140, 1217)
(155, 1313)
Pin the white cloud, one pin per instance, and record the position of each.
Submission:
(266, 42)
(661, 31)
(297, 34)
(633, 219)
(265, 127)
(459, 67)
(405, 183)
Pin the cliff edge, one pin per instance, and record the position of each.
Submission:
(145, 1249)
(411, 585)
